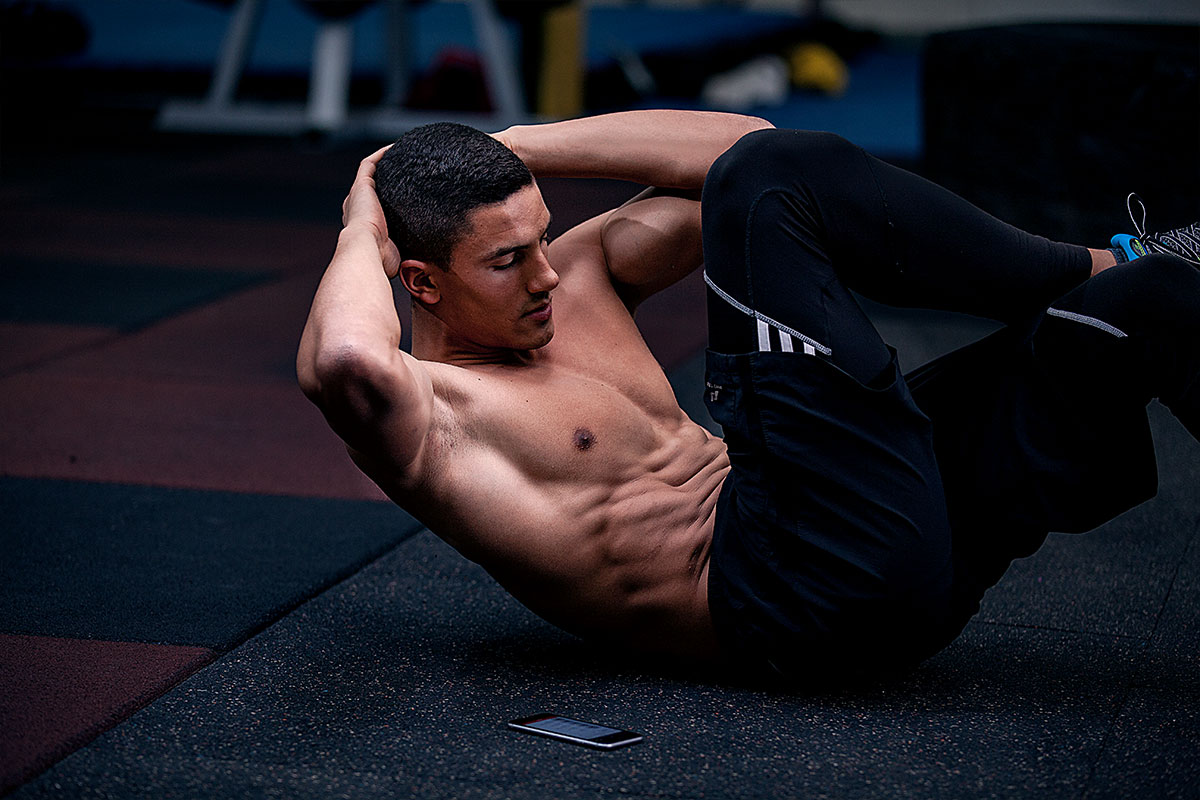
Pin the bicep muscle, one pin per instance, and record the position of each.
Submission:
(652, 242)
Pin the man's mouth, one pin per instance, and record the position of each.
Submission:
(539, 313)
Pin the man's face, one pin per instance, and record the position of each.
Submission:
(496, 293)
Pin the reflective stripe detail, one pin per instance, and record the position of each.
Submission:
(808, 350)
(1098, 324)
(779, 326)
(785, 343)
(764, 337)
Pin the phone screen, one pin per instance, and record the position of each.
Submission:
(574, 730)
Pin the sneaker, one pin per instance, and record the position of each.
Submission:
(1182, 242)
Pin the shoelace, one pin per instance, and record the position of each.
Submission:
(1182, 242)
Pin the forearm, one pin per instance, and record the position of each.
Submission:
(353, 313)
(671, 149)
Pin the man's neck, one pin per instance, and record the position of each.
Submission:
(433, 341)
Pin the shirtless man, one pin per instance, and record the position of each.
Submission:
(532, 429)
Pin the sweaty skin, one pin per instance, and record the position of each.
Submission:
(531, 428)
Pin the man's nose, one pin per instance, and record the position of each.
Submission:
(544, 278)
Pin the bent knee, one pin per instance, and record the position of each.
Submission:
(772, 159)
(1155, 292)
(1154, 279)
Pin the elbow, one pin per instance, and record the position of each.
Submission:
(745, 127)
(306, 374)
(332, 372)
(756, 124)
(728, 130)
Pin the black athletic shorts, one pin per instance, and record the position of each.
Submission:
(859, 527)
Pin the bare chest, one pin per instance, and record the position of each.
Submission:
(559, 426)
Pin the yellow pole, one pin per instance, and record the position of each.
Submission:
(560, 84)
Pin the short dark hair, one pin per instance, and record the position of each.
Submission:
(433, 177)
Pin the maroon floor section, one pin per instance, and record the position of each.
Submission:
(252, 437)
(250, 335)
(207, 399)
(26, 344)
(59, 694)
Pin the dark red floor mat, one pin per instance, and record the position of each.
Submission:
(61, 693)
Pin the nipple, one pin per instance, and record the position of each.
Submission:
(584, 439)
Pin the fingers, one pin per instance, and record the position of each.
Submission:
(511, 138)
(503, 137)
(362, 206)
(364, 181)
(366, 167)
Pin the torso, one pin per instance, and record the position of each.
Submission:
(575, 479)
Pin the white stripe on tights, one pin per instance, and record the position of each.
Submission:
(1098, 324)
(779, 326)
(764, 337)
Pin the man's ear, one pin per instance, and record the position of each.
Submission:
(421, 279)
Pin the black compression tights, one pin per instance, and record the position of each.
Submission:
(792, 219)
(1129, 334)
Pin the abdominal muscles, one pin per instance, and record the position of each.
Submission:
(615, 548)
(625, 560)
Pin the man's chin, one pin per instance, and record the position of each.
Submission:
(529, 340)
(546, 335)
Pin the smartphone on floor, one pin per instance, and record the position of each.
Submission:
(575, 731)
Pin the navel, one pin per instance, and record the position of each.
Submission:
(584, 439)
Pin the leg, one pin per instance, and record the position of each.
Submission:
(878, 230)
(831, 548)
(784, 274)
(1128, 335)
(1046, 430)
